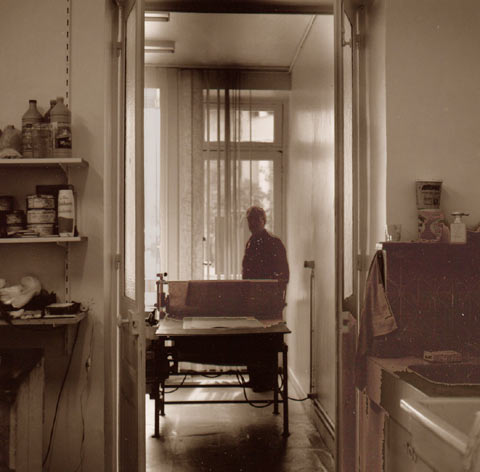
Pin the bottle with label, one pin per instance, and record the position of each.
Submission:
(458, 229)
(30, 117)
(60, 119)
(46, 117)
(66, 213)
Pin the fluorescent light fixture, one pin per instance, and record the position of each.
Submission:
(159, 46)
(157, 16)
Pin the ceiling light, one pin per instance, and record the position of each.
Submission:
(160, 46)
(157, 16)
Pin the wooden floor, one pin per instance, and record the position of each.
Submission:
(232, 438)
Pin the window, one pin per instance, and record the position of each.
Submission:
(240, 170)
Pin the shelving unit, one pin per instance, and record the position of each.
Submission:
(50, 162)
(65, 164)
(52, 321)
(48, 239)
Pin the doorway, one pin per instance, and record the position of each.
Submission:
(313, 140)
(175, 89)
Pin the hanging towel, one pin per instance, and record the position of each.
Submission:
(376, 317)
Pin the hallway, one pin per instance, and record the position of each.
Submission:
(232, 438)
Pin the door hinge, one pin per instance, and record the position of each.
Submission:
(358, 39)
(359, 262)
(116, 261)
(118, 48)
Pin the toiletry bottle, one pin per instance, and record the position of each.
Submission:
(458, 229)
(66, 213)
(60, 118)
(29, 118)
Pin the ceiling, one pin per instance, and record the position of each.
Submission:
(257, 41)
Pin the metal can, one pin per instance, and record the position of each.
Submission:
(40, 201)
(15, 217)
(42, 229)
(6, 202)
(41, 216)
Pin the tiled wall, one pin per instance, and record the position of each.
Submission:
(434, 292)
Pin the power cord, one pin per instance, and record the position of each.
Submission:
(181, 383)
(88, 364)
(67, 370)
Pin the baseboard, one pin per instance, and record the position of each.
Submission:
(317, 414)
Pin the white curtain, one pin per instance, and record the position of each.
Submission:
(213, 128)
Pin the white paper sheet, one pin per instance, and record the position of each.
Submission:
(209, 322)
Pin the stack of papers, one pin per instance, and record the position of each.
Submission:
(225, 322)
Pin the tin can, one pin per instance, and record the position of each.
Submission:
(42, 229)
(15, 217)
(6, 202)
(41, 216)
(40, 201)
(42, 141)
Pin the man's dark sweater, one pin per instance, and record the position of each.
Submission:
(265, 258)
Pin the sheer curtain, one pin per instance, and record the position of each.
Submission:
(215, 131)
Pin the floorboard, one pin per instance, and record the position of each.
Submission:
(232, 438)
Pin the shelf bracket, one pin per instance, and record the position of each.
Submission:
(67, 273)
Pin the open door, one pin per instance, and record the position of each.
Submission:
(131, 335)
(347, 224)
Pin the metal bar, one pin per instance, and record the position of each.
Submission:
(212, 402)
(285, 390)
(275, 388)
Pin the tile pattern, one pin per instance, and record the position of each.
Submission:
(434, 292)
(232, 438)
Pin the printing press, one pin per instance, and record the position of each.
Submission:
(235, 325)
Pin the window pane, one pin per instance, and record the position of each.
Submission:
(129, 235)
(255, 187)
(260, 126)
(152, 192)
(348, 263)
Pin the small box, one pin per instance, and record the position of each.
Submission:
(442, 356)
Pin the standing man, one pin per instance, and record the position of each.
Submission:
(265, 258)
(265, 255)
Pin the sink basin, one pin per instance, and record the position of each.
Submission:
(444, 431)
(449, 374)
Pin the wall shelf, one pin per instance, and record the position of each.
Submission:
(50, 162)
(52, 321)
(48, 239)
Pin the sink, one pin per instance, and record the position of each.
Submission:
(449, 374)
(446, 432)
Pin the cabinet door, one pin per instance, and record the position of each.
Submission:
(399, 455)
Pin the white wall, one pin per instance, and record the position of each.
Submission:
(374, 143)
(38, 71)
(310, 212)
(433, 102)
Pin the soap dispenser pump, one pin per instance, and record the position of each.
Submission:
(458, 229)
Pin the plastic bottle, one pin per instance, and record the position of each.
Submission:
(60, 118)
(458, 229)
(46, 117)
(30, 117)
(66, 213)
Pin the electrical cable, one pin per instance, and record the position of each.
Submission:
(67, 370)
(242, 383)
(181, 383)
(82, 444)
